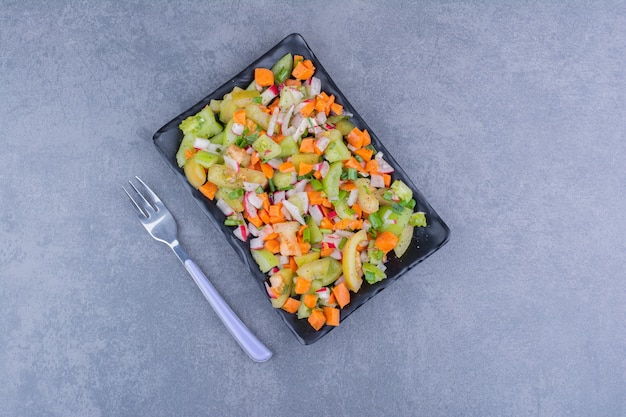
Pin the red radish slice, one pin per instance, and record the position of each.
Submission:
(269, 291)
(224, 207)
(238, 128)
(316, 87)
(269, 94)
(322, 143)
(254, 200)
(337, 254)
(231, 163)
(274, 162)
(241, 232)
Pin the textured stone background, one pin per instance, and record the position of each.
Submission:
(510, 118)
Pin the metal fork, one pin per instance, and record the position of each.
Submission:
(160, 223)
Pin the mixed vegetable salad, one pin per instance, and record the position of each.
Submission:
(303, 185)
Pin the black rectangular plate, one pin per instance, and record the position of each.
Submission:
(425, 240)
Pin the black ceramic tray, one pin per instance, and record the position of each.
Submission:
(425, 240)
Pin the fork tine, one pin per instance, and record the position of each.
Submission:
(135, 205)
(155, 200)
(146, 204)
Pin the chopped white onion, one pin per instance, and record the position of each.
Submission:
(250, 186)
(316, 87)
(256, 243)
(377, 181)
(354, 194)
(274, 162)
(272, 124)
(294, 211)
(266, 231)
(316, 213)
(336, 254)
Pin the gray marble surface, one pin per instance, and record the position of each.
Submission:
(510, 118)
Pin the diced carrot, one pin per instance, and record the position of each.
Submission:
(266, 200)
(208, 189)
(315, 197)
(317, 175)
(277, 219)
(357, 210)
(325, 252)
(332, 299)
(304, 70)
(305, 247)
(355, 224)
(323, 96)
(291, 305)
(302, 229)
(255, 221)
(329, 103)
(307, 145)
(325, 223)
(327, 203)
(304, 168)
(268, 171)
(287, 167)
(386, 241)
(355, 138)
(240, 116)
(189, 153)
(272, 245)
(347, 186)
(254, 158)
(302, 285)
(292, 264)
(271, 236)
(275, 210)
(365, 154)
(372, 166)
(255, 166)
(353, 163)
(297, 59)
(308, 108)
(263, 77)
(336, 108)
(278, 137)
(320, 104)
(342, 294)
(293, 83)
(366, 137)
(332, 316)
(387, 179)
(309, 300)
(317, 319)
(264, 216)
(342, 224)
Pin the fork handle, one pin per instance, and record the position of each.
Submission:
(257, 351)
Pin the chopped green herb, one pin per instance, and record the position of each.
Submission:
(236, 193)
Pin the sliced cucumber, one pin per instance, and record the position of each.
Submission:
(331, 180)
(288, 147)
(282, 180)
(404, 241)
(282, 68)
(265, 259)
(266, 147)
(326, 270)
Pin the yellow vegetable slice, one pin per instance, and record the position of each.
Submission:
(351, 262)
